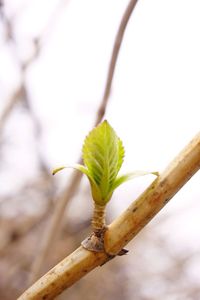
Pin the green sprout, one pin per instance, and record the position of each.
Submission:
(103, 155)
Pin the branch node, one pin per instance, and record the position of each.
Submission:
(95, 243)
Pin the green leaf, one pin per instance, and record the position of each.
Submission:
(77, 167)
(96, 193)
(55, 171)
(103, 155)
(123, 178)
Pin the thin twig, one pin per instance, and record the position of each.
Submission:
(117, 45)
(56, 219)
(24, 65)
(21, 92)
(16, 96)
(123, 229)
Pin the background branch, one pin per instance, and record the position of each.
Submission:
(123, 229)
(114, 56)
(21, 96)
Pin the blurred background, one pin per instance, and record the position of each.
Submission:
(54, 57)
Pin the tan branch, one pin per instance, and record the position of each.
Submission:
(123, 229)
(58, 213)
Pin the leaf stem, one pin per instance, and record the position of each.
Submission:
(98, 219)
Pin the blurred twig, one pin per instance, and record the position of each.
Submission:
(55, 221)
(21, 94)
(114, 56)
(9, 107)
(123, 229)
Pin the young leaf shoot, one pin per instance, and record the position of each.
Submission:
(103, 155)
